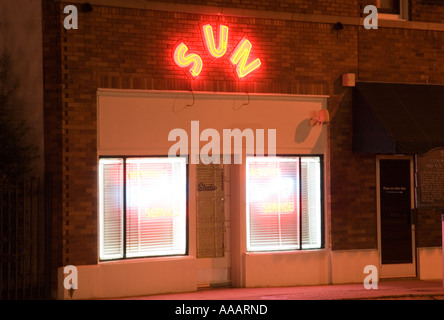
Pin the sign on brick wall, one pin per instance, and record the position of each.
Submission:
(239, 58)
(430, 173)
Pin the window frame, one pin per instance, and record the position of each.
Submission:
(124, 205)
(322, 205)
(402, 15)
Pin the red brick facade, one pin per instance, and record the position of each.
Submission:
(52, 84)
(128, 48)
(427, 10)
(321, 7)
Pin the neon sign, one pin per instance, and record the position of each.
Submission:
(239, 56)
(272, 188)
(183, 60)
(161, 212)
(274, 207)
(210, 44)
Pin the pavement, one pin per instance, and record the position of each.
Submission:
(388, 289)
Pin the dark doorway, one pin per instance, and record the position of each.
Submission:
(395, 202)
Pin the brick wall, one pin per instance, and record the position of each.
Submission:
(131, 49)
(427, 11)
(52, 84)
(353, 183)
(419, 10)
(406, 56)
(401, 55)
(428, 228)
(299, 58)
(347, 8)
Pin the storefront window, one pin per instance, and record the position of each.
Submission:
(389, 6)
(283, 203)
(142, 207)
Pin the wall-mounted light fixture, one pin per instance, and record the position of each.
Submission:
(348, 80)
(86, 7)
(322, 118)
(338, 26)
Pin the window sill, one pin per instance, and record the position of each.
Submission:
(147, 259)
(287, 252)
(388, 16)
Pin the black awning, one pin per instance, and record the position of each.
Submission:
(391, 118)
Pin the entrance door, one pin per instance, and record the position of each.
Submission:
(213, 218)
(396, 230)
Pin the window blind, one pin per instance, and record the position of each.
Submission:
(111, 208)
(311, 202)
(156, 206)
(272, 203)
(154, 213)
(283, 203)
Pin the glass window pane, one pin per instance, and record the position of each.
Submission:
(272, 203)
(155, 206)
(111, 208)
(389, 6)
(311, 202)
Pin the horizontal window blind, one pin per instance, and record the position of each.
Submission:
(283, 203)
(156, 206)
(273, 203)
(311, 202)
(154, 213)
(111, 208)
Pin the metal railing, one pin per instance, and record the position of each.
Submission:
(23, 241)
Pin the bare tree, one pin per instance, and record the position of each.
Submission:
(17, 156)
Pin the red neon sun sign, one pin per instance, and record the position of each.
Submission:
(239, 57)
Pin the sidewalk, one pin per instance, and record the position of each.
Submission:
(405, 289)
